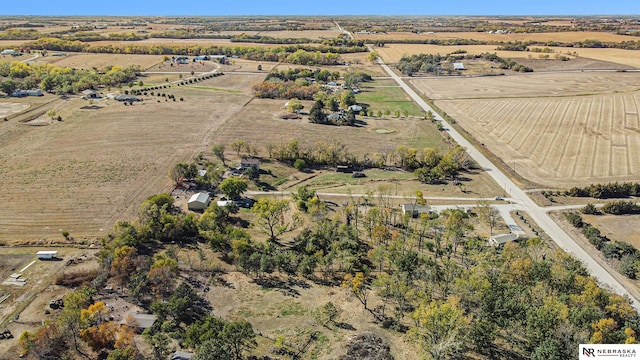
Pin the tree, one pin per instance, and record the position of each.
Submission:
(373, 56)
(358, 287)
(489, 215)
(238, 146)
(270, 217)
(316, 114)
(233, 187)
(294, 105)
(441, 328)
(51, 113)
(218, 151)
(8, 86)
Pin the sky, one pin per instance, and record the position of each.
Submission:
(319, 7)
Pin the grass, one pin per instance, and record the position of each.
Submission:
(390, 99)
(214, 89)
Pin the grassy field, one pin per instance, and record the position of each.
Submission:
(584, 134)
(88, 61)
(617, 228)
(387, 98)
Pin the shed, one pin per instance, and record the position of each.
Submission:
(129, 98)
(47, 255)
(344, 168)
(246, 163)
(139, 321)
(223, 203)
(501, 239)
(414, 210)
(91, 94)
(7, 52)
(199, 201)
(355, 108)
(458, 66)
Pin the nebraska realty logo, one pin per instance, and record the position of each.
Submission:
(626, 351)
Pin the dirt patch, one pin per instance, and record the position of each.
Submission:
(617, 227)
(8, 108)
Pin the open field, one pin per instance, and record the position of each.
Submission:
(627, 58)
(97, 165)
(554, 141)
(387, 98)
(258, 123)
(88, 61)
(617, 227)
(527, 85)
(301, 34)
(8, 108)
(565, 36)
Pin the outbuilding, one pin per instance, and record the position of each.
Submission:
(199, 201)
(501, 239)
(91, 94)
(414, 210)
(47, 255)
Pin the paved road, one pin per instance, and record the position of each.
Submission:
(538, 214)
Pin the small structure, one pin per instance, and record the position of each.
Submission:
(501, 239)
(138, 321)
(181, 355)
(47, 255)
(355, 108)
(202, 172)
(33, 92)
(458, 66)
(414, 210)
(201, 58)
(344, 168)
(246, 163)
(7, 52)
(91, 94)
(223, 203)
(332, 84)
(198, 201)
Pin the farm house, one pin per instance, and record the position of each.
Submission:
(199, 201)
(46, 255)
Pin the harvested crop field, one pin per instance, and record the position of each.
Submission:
(554, 141)
(565, 36)
(97, 166)
(8, 108)
(527, 85)
(88, 61)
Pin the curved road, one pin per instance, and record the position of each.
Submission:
(537, 213)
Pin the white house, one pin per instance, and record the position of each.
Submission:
(501, 239)
(46, 255)
(199, 201)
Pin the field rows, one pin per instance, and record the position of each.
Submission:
(558, 141)
(527, 85)
(484, 36)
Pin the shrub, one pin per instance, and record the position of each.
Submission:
(76, 279)
(574, 219)
(590, 209)
(299, 164)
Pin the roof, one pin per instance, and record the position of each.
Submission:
(202, 172)
(415, 207)
(458, 66)
(142, 321)
(126, 98)
(89, 92)
(503, 238)
(199, 197)
(181, 355)
(223, 203)
(47, 253)
(355, 108)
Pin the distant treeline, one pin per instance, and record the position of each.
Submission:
(295, 54)
(514, 45)
(606, 191)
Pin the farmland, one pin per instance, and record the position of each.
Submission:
(545, 130)
(485, 36)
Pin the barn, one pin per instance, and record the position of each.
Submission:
(198, 201)
(499, 240)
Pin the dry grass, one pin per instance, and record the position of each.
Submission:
(297, 34)
(88, 61)
(620, 228)
(96, 166)
(555, 141)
